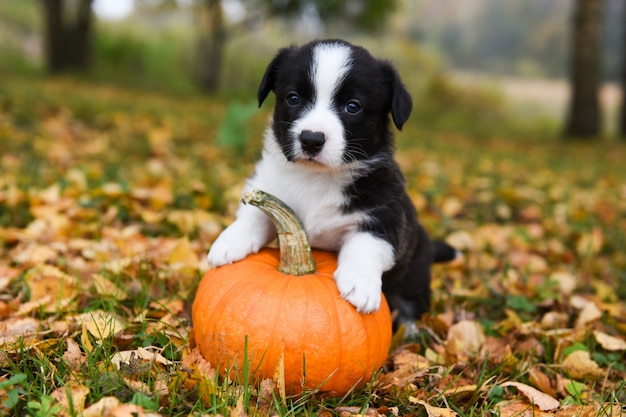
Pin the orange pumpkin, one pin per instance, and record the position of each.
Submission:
(250, 311)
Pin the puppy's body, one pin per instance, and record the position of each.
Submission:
(328, 154)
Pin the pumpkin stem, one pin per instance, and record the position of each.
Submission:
(295, 251)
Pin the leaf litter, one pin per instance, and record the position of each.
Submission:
(103, 244)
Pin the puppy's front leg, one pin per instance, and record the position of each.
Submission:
(362, 260)
(248, 234)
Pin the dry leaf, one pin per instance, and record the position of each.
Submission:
(127, 356)
(74, 356)
(579, 365)
(541, 381)
(106, 288)
(279, 377)
(590, 243)
(348, 411)
(519, 408)
(465, 337)
(99, 323)
(609, 342)
(183, 258)
(588, 314)
(542, 400)
(103, 407)
(71, 398)
(435, 411)
(566, 280)
(461, 240)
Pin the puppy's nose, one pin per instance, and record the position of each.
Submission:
(312, 142)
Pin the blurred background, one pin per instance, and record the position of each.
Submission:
(557, 63)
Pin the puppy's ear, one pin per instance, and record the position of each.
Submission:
(269, 78)
(401, 103)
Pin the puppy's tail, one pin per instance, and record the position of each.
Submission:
(442, 252)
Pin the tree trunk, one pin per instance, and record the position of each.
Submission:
(210, 44)
(622, 120)
(584, 117)
(68, 35)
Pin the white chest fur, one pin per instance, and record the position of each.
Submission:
(314, 193)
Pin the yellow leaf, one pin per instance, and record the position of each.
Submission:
(609, 342)
(590, 243)
(279, 377)
(112, 189)
(99, 323)
(580, 366)
(183, 258)
(51, 288)
(106, 288)
(71, 398)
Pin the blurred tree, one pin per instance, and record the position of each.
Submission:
(583, 119)
(68, 27)
(211, 41)
(359, 14)
(622, 121)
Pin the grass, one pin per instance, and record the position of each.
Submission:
(99, 186)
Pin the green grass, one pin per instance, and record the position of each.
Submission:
(119, 176)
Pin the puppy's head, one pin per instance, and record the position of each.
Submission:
(333, 101)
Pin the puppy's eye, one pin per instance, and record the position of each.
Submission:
(293, 99)
(353, 107)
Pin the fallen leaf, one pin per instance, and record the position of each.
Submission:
(541, 381)
(348, 411)
(74, 356)
(588, 314)
(71, 398)
(542, 400)
(106, 288)
(566, 281)
(590, 243)
(435, 411)
(183, 258)
(579, 365)
(126, 356)
(102, 407)
(465, 337)
(609, 342)
(99, 323)
(519, 408)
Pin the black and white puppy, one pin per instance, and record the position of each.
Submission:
(328, 154)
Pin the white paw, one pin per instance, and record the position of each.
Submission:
(234, 244)
(360, 288)
(361, 263)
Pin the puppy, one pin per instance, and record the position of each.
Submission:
(328, 154)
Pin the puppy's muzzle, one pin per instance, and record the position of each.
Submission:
(312, 142)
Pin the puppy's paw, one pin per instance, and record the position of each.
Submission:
(233, 245)
(359, 275)
(359, 287)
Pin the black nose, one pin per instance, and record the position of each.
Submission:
(312, 142)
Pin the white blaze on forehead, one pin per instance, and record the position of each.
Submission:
(331, 63)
